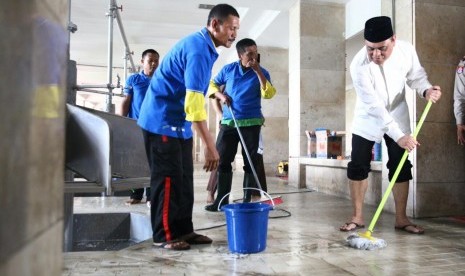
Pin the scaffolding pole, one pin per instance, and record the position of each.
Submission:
(111, 16)
(113, 12)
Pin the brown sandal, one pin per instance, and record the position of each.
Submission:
(345, 227)
(406, 229)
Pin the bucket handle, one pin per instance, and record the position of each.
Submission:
(261, 191)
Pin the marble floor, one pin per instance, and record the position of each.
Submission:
(306, 242)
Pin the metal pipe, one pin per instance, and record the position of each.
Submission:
(97, 66)
(69, 32)
(110, 15)
(99, 92)
(125, 72)
(79, 87)
(123, 35)
(394, 15)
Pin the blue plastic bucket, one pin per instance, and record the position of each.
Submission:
(247, 225)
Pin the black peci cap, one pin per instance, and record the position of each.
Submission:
(378, 29)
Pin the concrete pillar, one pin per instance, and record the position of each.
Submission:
(316, 74)
(32, 92)
(275, 110)
(439, 174)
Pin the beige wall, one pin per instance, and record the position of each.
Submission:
(32, 74)
(316, 74)
(276, 110)
(440, 42)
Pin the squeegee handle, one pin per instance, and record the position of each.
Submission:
(397, 172)
(244, 147)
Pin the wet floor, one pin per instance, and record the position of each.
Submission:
(303, 239)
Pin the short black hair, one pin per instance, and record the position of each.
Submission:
(221, 12)
(244, 43)
(150, 51)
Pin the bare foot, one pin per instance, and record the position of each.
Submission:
(210, 198)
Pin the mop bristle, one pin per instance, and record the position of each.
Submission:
(365, 241)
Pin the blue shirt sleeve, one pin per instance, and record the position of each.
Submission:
(197, 73)
(128, 88)
(220, 78)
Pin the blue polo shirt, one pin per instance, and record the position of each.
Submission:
(186, 67)
(136, 86)
(244, 89)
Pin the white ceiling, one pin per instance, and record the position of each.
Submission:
(158, 24)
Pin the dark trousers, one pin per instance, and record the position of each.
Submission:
(359, 167)
(213, 180)
(261, 175)
(171, 184)
(227, 142)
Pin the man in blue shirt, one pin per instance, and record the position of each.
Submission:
(246, 82)
(134, 90)
(137, 84)
(173, 104)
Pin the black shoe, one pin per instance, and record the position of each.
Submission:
(211, 208)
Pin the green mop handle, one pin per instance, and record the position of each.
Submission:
(399, 167)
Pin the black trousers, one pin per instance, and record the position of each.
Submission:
(227, 142)
(171, 185)
(359, 167)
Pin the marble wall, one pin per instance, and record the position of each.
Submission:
(32, 89)
(316, 74)
(276, 110)
(440, 42)
(331, 179)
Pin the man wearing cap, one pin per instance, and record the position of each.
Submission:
(379, 73)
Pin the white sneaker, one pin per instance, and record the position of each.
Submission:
(149, 204)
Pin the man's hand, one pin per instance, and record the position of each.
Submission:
(407, 142)
(461, 135)
(223, 98)
(211, 159)
(433, 94)
(211, 154)
(254, 64)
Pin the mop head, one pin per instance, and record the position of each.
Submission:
(364, 241)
